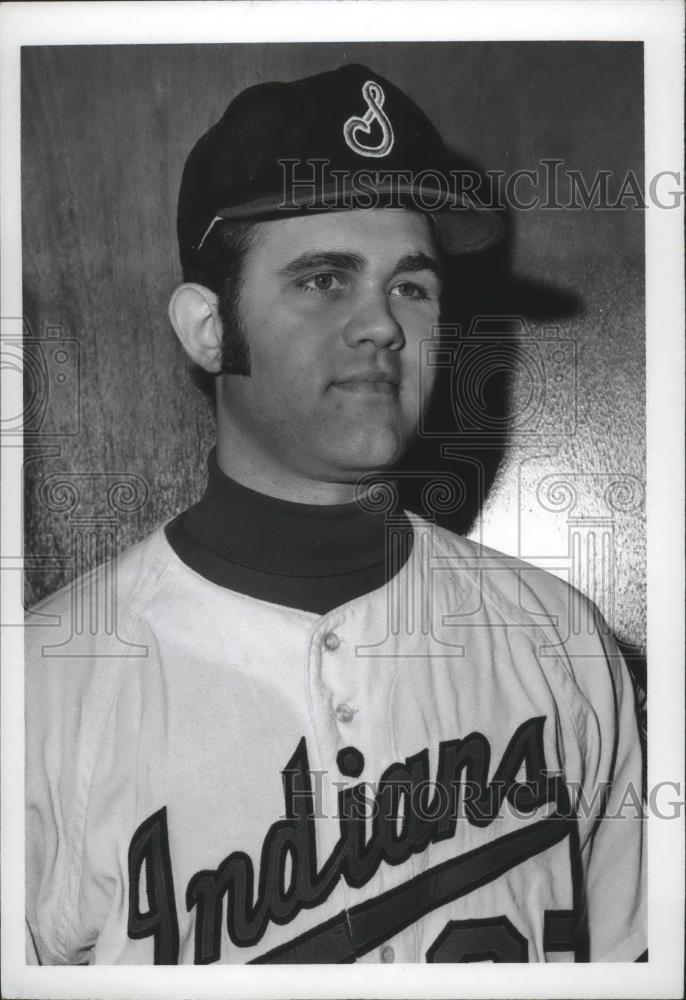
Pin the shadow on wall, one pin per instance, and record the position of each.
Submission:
(475, 355)
(448, 473)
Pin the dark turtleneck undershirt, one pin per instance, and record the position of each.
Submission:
(308, 556)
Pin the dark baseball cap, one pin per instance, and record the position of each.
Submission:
(347, 138)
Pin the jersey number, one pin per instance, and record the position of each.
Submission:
(496, 939)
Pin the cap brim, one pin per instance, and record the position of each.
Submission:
(464, 226)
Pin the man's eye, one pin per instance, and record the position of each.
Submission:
(322, 282)
(409, 290)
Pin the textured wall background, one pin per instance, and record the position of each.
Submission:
(117, 444)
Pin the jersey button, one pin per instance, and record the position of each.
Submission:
(331, 641)
(387, 954)
(344, 713)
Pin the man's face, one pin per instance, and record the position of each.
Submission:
(333, 308)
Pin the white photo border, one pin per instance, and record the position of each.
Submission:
(660, 26)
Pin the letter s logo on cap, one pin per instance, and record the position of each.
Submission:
(375, 97)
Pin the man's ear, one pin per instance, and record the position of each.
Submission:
(193, 314)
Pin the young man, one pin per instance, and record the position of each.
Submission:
(324, 729)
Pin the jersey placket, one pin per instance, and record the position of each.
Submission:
(349, 728)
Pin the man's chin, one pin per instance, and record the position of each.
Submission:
(375, 456)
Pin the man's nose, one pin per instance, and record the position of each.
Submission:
(373, 322)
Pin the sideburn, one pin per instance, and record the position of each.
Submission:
(235, 347)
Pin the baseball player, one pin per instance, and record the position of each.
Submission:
(320, 728)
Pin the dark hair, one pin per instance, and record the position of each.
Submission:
(219, 267)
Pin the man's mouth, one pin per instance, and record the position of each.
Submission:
(369, 383)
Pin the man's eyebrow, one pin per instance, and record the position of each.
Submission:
(348, 261)
(419, 262)
(323, 261)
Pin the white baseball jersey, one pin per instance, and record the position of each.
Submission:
(446, 769)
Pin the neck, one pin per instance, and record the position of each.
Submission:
(311, 557)
(265, 476)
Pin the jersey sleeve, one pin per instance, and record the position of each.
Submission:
(57, 781)
(65, 714)
(616, 851)
(610, 806)
(81, 738)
